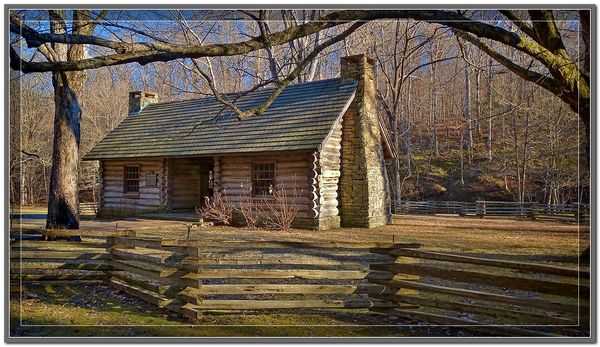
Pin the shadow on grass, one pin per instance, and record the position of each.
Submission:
(83, 311)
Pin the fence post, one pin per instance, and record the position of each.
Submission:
(480, 209)
(462, 211)
(533, 211)
(389, 293)
(115, 242)
(581, 213)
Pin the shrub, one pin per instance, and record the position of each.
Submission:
(249, 208)
(280, 211)
(218, 209)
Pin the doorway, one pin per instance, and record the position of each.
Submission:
(189, 182)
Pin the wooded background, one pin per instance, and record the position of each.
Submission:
(466, 127)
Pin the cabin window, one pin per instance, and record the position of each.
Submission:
(131, 182)
(263, 179)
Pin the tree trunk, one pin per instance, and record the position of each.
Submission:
(478, 104)
(433, 109)
(469, 128)
(490, 111)
(63, 199)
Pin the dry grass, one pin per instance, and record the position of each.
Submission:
(495, 237)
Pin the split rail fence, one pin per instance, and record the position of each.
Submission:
(571, 213)
(501, 296)
(33, 260)
(195, 276)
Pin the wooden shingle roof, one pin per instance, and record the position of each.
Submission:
(299, 119)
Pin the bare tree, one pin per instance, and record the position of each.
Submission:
(66, 53)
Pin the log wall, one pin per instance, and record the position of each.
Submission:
(308, 179)
(232, 179)
(112, 198)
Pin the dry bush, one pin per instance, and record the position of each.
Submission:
(280, 211)
(218, 209)
(249, 208)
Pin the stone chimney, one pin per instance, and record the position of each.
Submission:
(138, 100)
(364, 196)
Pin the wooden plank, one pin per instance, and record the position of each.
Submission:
(277, 274)
(526, 284)
(58, 245)
(153, 285)
(198, 281)
(490, 311)
(55, 255)
(82, 232)
(289, 244)
(144, 294)
(290, 304)
(52, 264)
(87, 275)
(146, 270)
(139, 242)
(259, 258)
(57, 282)
(305, 289)
(507, 264)
(548, 305)
(156, 257)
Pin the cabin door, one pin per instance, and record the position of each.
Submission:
(188, 182)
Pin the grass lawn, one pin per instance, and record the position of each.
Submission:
(97, 310)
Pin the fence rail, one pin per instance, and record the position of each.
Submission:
(571, 213)
(88, 208)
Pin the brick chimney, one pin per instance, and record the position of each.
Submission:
(364, 196)
(138, 100)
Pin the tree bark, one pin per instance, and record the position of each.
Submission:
(478, 104)
(469, 126)
(490, 110)
(63, 198)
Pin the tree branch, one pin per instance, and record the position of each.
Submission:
(529, 75)
(241, 114)
(294, 74)
(546, 32)
(148, 52)
(521, 23)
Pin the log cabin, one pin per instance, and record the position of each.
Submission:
(322, 142)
